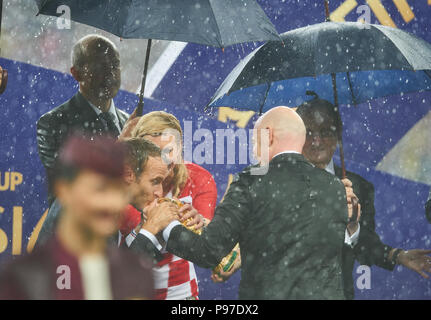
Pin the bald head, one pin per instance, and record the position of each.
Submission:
(90, 49)
(286, 131)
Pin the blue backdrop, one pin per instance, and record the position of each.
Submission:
(371, 131)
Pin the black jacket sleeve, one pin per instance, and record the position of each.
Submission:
(47, 140)
(370, 250)
(143, 246)
(221, 235)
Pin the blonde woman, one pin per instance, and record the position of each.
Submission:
(175, 278)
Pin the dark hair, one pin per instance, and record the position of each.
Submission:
(138, 150)
(306, 109)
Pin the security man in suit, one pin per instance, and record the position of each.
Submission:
(289, 222)
(96, 66)
(321, 120)
(91, 111)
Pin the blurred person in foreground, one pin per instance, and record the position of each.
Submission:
(96, 67)
(321, 120)
(175, 278)
(290, 230)
(78, 262)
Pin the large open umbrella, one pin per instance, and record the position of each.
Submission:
(217, 23)
(347, 63)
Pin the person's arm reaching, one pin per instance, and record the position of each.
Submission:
(143, 239)
(220, 236)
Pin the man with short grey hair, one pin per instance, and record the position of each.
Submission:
(96, 67)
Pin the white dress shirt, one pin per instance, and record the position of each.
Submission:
(111, 111)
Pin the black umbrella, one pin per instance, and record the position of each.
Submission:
(347, 63)
(217, 23)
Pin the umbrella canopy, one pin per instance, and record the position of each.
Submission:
(369, 61)
(218, 23)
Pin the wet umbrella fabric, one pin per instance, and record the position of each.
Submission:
(217, 23)
(370, 61)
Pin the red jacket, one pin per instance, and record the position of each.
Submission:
(175, 278)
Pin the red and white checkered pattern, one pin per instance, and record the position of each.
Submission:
(175, 278)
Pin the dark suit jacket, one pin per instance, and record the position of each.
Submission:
(290, 225)
(56, 125)
(34, 276)
(369, 250)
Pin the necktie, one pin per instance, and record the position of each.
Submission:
(111, 128)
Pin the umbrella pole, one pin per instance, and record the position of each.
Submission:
(339, 124)
(327, 11)
(334, 87)
(140, 107)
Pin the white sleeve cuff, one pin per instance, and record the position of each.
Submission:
(168, 229)
(152, 237)
(353, 239)
(132, 236)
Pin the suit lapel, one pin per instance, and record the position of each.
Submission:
(84, 113)
(122, 117)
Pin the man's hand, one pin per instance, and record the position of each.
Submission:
(352, 227)
(159, 216)
(186, 212)
(223, 276)
(417, 260)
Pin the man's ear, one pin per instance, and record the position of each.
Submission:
(129, 174)
(270, 136)
(76, 74)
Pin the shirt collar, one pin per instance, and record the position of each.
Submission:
(330, 167)
(98, 111)
(286, 151)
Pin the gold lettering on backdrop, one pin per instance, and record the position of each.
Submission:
(405, 10)
(381, 13)
(3, 236)
(241, 117)
(9, 180)
(339, 14)
(343, 10)
(3, 241)
(17, 231)
(6, 181)
(35, 233)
